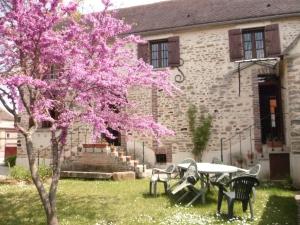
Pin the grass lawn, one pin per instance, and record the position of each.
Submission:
(107, 202)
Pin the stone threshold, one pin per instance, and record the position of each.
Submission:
(86, 175)
(116, 176)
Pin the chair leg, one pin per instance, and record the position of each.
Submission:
(245, 205)
(202, 194)
(155, 188)
(251, 209)
(183, 196)
(166, 186)
(150, 188)
(220, 199)
(230, 203)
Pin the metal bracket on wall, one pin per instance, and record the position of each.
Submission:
(179, 78)
(261, 62)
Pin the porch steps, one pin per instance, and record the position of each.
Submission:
(97, 162)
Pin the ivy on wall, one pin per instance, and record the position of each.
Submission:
(200, 129)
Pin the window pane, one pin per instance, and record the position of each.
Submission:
(259, 45)
(247, 36)
(247, 46)
(154, 55)
(164, 54)
(248, 54)
(258, 36)
(260, 53)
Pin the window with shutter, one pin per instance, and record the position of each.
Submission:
(254, 43)
(161, 53)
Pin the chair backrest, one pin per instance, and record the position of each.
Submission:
(187, 160)
(216, 160)
(191, 174)
(254, 171)
(242, 187)
(171, 168)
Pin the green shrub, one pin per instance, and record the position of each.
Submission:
(10, 161)
(45, 172)
(21, 173)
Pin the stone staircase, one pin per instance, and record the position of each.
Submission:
(100, 163)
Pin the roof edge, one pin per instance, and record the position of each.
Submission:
(216, 23)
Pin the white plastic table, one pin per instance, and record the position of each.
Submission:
(212, 168)
(208, 168)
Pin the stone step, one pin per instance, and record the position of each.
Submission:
(86, 175)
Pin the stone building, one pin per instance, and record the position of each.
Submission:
(8, 135)
(235, 60)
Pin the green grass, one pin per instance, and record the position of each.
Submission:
(106, 202)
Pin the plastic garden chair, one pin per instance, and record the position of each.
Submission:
(163, 176)
(181, 172)
(190, 178)
(242, 189)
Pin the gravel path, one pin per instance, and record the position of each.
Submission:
(3, 169)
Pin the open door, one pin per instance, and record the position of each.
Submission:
(271, 110)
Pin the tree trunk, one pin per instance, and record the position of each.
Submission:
(48, 200)
(52, 219)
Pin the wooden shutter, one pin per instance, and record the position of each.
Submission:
(143, 51)
(272, 40)
(173, 51)
(235, 45)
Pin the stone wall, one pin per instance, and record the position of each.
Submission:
(211, 83)
(292, 101)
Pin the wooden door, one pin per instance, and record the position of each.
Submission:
(279, 166)
(10, 151)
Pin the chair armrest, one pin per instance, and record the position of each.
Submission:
(157, 170)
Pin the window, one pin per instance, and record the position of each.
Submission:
(159, 54)
(54, 114)
(161, 158)
(254, 44)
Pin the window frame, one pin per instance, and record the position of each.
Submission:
(160, 59)
(252, 31)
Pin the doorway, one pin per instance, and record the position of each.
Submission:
(271, 118)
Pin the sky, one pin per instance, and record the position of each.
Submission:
(95, 5)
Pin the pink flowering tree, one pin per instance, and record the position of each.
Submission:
(52, 58)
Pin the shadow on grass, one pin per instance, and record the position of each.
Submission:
(279, 210)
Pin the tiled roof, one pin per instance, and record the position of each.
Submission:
(181, 13)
